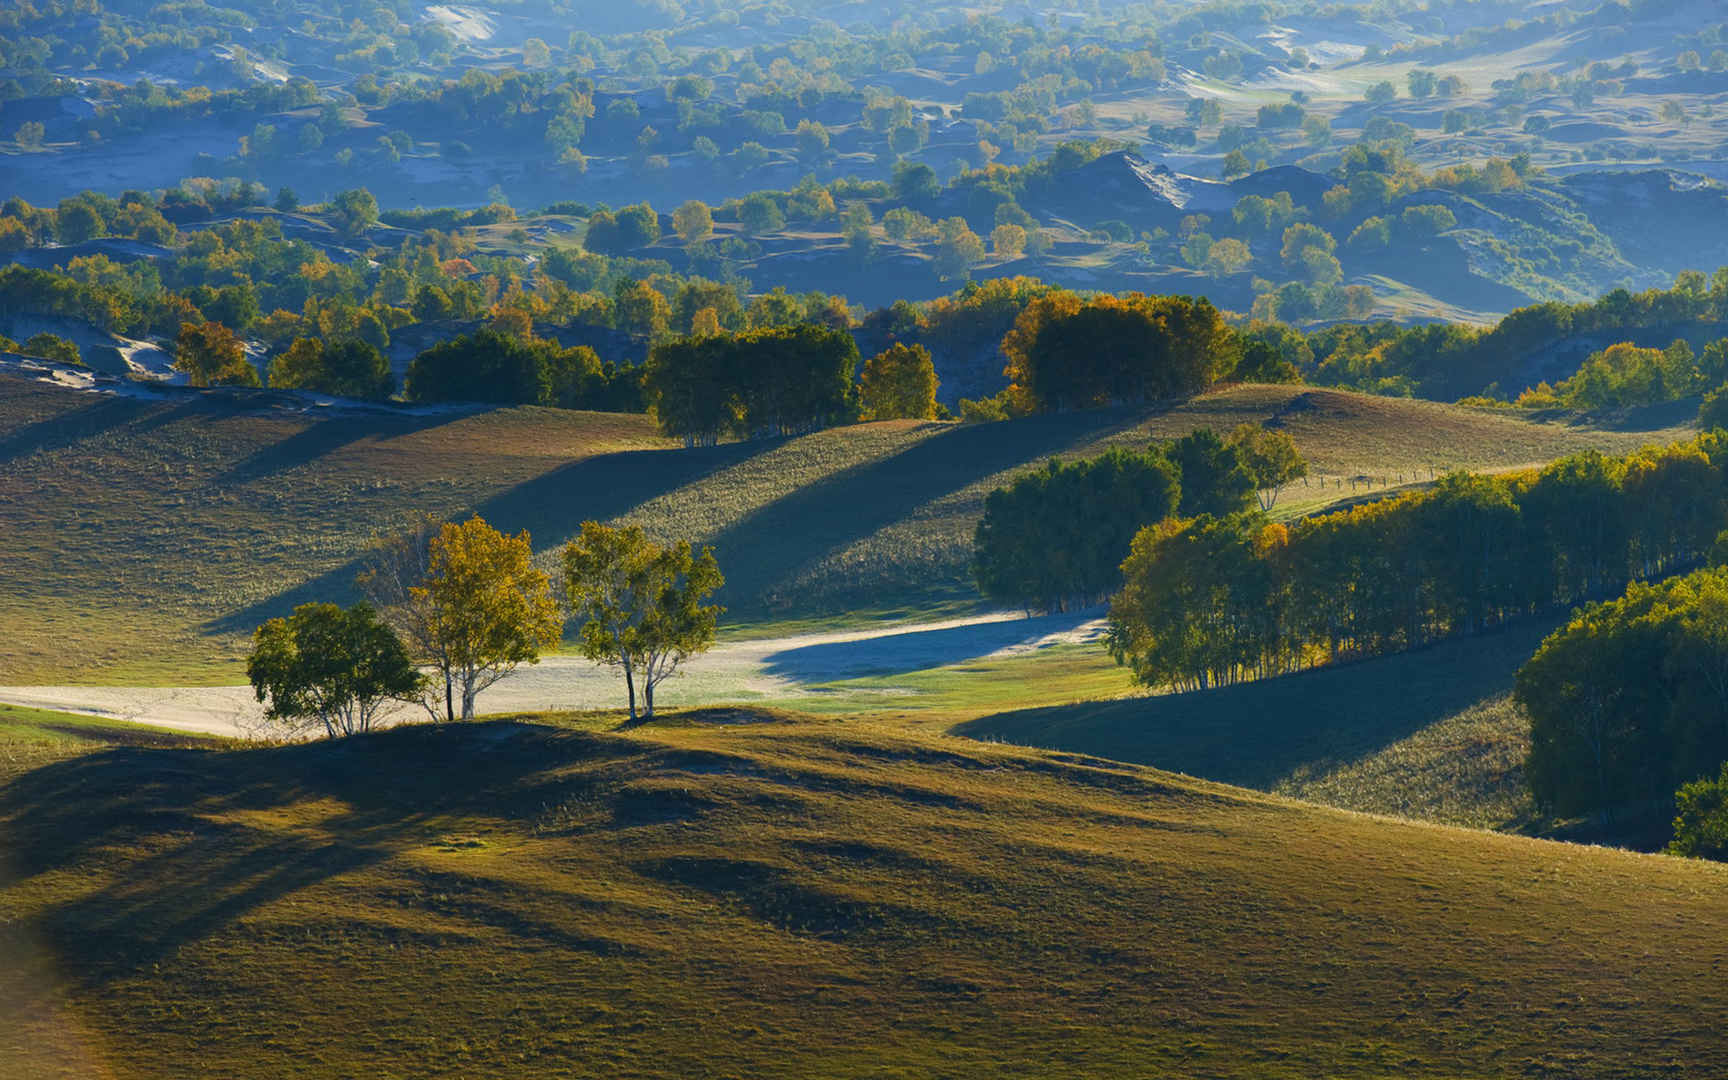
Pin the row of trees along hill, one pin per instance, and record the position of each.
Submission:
(451, 609)
(1054, 538)
(1215, 600)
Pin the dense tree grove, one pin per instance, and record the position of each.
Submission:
(1401, 572)
(1053, 539)
(1630, 698)
(506, 369)
(1065, 352)
(784, 380)
(350, 368)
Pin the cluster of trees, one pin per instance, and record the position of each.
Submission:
(521, 369)
(778, 381)
(1055, 537)
(1068, 352)
(45, 346)
(1447, 361)
(1625, 374)
(348, 368)
(1216, 600)
(451, 609)
(1628, 701)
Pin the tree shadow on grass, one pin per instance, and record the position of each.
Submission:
(201, 849)
(766, 552)
(1256, 734)
(67, 429)
(551, 507)
(323, 436)
(917, 649)
(762, 554)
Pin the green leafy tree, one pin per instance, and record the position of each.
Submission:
(693, 222)
(1227, 257)
(330, 668)
(958, 248)
(761, 213)
(354, 211)
(485, 608)
(77, 221)
(1271, 458)
(640, 607)
(52, 347)
(1216, 479)
(347, 368)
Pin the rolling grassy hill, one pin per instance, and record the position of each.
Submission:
(146, 537)
(761, 894)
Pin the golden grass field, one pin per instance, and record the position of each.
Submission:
(762, 894)
(147, 539)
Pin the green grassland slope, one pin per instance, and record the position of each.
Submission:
(145, 538)
(765, 895)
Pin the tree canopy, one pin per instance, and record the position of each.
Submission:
(486, 609)
(325, 667)
(1068, 353)
(780, 380)
(640, 607)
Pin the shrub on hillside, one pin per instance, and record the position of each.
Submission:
(1701, 819)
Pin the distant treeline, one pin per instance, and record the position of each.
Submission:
(1212, 601)
(1446, 361)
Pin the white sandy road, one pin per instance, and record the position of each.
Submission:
(733, 671)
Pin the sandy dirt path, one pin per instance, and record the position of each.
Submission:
(733, 671)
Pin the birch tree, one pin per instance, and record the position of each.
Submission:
(641, 606)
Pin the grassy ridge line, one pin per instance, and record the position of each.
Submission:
(149, 537)
(763, 895)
